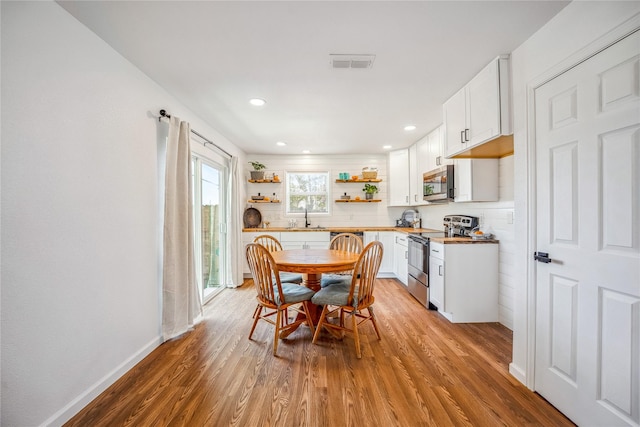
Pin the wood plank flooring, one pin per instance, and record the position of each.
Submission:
(424, 372)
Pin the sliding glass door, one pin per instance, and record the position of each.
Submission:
(210, 225)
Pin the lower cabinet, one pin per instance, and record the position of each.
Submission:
(386, 238)
(401, 257)
(247, 237)
(463, 281)
(305, 240)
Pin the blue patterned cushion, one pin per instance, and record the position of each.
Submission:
(290, 277)
(331, 279)
(336, 294)
(293, 293)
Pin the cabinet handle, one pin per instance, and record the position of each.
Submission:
(406, 254)
(466, 135)
(439, 270)
(407, 199)
(462, 137)
(438, 161)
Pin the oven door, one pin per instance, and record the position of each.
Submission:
(418, 258)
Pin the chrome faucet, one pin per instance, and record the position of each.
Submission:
(306, 220)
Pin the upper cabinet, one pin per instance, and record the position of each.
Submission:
(432, 154)
(399, 177)
(477, 119)
(405, 177)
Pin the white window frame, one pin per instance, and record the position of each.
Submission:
(326, 193)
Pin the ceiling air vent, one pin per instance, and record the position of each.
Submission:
(351, 61)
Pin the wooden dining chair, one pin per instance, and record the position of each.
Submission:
(272, 244)
(275, 297)
(341, 299)
(343, 242)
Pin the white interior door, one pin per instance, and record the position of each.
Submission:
(588, 218)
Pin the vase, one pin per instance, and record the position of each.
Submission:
(257, 175)
(368, 196)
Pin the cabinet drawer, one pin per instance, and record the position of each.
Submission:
(305, 236)
(436, 250)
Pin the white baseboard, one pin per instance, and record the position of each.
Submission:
(73, 407)
(518, 373)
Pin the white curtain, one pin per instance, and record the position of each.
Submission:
(181, 306)
(234, 238)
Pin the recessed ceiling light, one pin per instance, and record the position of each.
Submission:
(306, 151)
(386, 147)
(281, 144)
(257, 102)
(410, 127)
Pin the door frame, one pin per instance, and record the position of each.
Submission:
(530, 218)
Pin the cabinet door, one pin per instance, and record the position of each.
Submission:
(476, 180)
(436, 282)
(462, 180)
(399, 178)
(415, 177)
(483, 105)
(386, 237)
(455, 122)
(401, 258)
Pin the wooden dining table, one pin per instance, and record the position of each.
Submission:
(312, 263)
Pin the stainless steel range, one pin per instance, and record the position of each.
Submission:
(459, 225)
(418, 280)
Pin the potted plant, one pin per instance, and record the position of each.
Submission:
(369, 191)
(257, 173)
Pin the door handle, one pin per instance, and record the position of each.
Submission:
(466, 135)
(542, 257)
(462, 137)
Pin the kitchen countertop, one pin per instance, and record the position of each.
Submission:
(460, 240)
(407, 230)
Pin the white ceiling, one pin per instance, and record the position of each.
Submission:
(216, 55)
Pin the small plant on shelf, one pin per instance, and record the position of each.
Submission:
(258, 171)
(369, 190)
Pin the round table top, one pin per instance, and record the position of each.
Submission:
(314, 260)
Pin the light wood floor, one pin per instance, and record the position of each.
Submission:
(424, 372)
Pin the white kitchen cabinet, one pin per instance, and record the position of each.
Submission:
(405, 177)
(399, 177)
(434, 149)
(415, 177)
(476, 180)
(248, 237)
(480, 112)
(463, 281)
(305, 240)
(387, 240)
(401, 257)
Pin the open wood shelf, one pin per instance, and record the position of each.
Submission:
(358, 201)
(264, 181)
(357, 180)
(263, 201)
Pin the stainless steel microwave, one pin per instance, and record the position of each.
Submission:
(438, 184)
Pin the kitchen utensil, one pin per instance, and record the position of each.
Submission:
(252, 218)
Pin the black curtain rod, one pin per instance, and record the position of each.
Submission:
(163, 113)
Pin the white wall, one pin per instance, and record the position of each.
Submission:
(572, 30)
(497, 216)
(341, 214)
(80, 284)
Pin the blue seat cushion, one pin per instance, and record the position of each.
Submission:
(335, 294)
(290, 277)
(331, 279)
(293, 293)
